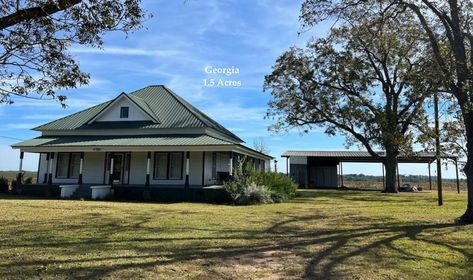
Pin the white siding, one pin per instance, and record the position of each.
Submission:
(208, 179)
(138, 168)
(113, 113)
(94, 164)
(195, 168)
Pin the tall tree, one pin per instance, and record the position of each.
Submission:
(448, 25)
(260, 145)
(35, 36)
(362, 81)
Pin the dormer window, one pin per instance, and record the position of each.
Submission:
(124, 112)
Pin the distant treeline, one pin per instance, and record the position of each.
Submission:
(11, 175)
(404, 178)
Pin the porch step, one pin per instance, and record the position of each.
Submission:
(83, 191)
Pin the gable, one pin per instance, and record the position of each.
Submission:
(112, 113)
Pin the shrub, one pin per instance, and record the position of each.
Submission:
(251, 187)
(281, 186)
(255, 194)
(28, 180)
(3, 185)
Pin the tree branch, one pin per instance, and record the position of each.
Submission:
(36, 12)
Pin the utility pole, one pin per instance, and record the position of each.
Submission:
(437, 149)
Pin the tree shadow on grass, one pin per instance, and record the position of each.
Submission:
(322, 250)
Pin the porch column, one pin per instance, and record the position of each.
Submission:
(148, 167)
(430, 178)
(81, 168)
(275, 166)
(50, 176)
(110, 180)
(203, 169)
(187, 169)
(45, 179)
(458, 178)
(341, 173)
(20, 169)
(231, 164)
(384, 179)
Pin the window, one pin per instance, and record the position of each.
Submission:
(168, 166)
(175, 166)
(160, 166)
(124, 112)
(68, 165)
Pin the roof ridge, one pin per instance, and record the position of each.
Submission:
(131, 96)
(192, 109)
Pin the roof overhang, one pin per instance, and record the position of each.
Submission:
(365, 157)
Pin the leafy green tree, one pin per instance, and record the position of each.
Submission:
(362, 81)
(448, 26)
(35, 36)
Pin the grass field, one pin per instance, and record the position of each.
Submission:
(318, 235)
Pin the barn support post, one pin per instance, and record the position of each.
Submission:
(384, 177)
(341, 173)
(430, 178)
(287, 166)
(398, 177)
(339, 177)
(458, 177)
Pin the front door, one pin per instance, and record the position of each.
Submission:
(121, 168)
(117, 168)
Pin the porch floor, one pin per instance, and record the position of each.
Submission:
(151, 186)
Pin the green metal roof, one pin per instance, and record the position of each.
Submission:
(170, 109)
(127, 141)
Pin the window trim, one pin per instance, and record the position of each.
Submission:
(124, 109)
(69, 163)
(168, 165)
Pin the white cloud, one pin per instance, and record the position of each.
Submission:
(234, 112)
(125, 51)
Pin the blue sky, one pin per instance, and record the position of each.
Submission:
(173, 49)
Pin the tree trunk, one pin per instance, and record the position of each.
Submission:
(468, 216)
(391, 167)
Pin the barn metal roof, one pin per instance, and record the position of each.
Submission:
(363, 156)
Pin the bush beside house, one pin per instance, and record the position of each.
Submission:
(253, 187)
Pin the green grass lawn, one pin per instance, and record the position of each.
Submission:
(319, 235)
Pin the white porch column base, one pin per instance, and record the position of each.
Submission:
(68, 190)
